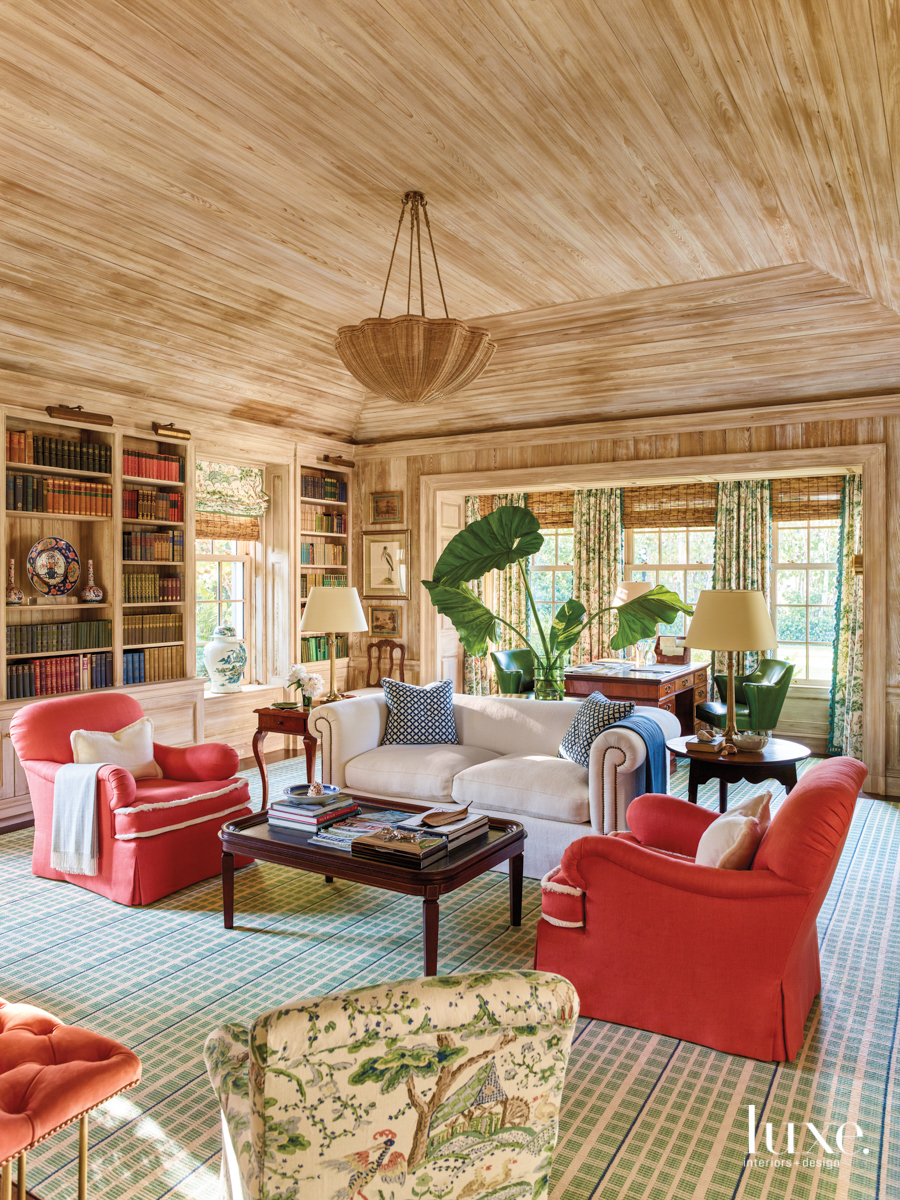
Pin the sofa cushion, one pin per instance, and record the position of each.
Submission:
(534, 785)
(512, 726)
(416, 772)
(595, 714)
(419, 716)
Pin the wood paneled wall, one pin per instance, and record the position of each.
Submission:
(380, 471)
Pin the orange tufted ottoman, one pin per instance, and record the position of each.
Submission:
(52, 1074)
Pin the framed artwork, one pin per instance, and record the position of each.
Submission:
(385, 622)
(385, 565)
(386, 508)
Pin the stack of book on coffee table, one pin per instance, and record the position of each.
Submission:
(306, 814)
(417, 844)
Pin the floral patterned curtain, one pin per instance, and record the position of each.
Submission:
(512, 599)
(476, 671)
(599, 564)
(743, 553)
(845, 734)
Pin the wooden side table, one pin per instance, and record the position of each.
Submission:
(777, 760)
(292, 721)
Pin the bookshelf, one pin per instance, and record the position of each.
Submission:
(155, 555)
(323, 552)
(124, 503)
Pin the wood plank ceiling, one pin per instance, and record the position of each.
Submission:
(195, 195)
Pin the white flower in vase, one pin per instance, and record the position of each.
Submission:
(313, 687)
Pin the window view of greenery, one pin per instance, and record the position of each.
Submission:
(804, 594)
(222, 579)
(680, 559)
(551, 577)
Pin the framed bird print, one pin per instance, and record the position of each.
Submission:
(385, 565)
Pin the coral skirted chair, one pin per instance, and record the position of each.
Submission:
(156, 835)
(426, 1087)
(727, 959)
(52, 1074)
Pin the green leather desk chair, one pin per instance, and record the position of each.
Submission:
(758, 698)
(514, 670)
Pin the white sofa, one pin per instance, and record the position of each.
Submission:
(505, 765)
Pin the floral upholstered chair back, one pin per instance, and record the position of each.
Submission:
(442, 1088)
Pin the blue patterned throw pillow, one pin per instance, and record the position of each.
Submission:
(419, 716)
(595, 714)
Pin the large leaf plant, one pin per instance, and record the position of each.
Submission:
(511, 535)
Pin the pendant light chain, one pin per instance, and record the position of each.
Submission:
(434, 255)
(393, 252)
(417, 202)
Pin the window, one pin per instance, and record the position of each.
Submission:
(679, 559)
(551, 576)
(804, 595)
(224, 573)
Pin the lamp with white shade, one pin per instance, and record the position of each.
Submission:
(332, 611)
(630, 591)
(731, 622)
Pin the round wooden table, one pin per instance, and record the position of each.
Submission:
(777, 760)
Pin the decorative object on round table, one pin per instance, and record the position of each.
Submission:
(91, 594)
(53, 566)
(751, 739)
(225, 657)
(14, 595)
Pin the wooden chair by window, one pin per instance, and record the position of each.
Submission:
(383, 653)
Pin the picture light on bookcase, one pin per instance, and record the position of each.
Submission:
(169, 431)
(65, 412)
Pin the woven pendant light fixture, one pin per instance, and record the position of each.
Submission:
(414, 359)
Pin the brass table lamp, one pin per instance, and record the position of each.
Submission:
(333, 610)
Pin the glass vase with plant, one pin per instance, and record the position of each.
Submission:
(511, 535)
(307, 684)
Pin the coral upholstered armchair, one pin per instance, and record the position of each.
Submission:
(156, 835)
(728, 959)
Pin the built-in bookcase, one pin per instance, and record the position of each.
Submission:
(324, 549)
(125, 504)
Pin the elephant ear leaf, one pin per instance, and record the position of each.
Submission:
(567, 627)
(472, 620)
(639, 618)
(504, 536)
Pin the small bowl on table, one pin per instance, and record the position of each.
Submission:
(751, 740)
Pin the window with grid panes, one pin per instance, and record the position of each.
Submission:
(804, 595)
(679, 559)
(551, 577)
(224, 572)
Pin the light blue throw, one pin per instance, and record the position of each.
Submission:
(74, 839)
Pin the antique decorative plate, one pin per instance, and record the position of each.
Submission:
(53, 566)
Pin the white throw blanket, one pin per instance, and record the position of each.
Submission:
(74, 839)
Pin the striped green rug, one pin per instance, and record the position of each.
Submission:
(644, 1116)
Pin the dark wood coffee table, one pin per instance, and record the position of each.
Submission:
(777, 760)
(252, 837)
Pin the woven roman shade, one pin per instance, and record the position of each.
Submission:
(224, 528)
(816, 498)
(689, 504)
(552, 509)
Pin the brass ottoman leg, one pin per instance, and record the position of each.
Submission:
(82, 1157)
(22, 1176)
(6, 1182)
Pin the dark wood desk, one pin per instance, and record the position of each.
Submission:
(505, 840)
(777, 760)
(678, 689)
(291, 721)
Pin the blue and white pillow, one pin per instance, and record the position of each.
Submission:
(593, 716)
(419, 716)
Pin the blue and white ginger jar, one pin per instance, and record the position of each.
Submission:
(225, 657)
